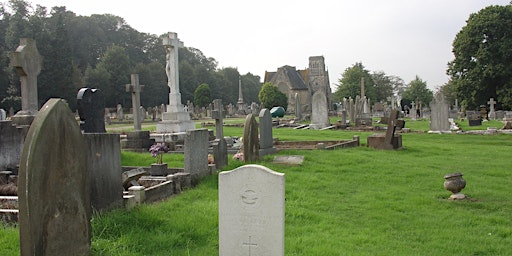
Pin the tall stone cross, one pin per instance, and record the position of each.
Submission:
(28, 63)
(492, 112)
(135, 88)
(172, 44)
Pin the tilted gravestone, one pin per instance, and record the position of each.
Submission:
(251, 211)
(91, 109)
(250, 139)
(53, 185)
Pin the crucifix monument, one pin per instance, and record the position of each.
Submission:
(492, 112)
(135, 89)
(175, 119)
(28, 63)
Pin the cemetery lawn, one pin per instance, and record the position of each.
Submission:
(357, 201)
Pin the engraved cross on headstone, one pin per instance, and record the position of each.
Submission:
(492, 112)
(28, 63)
(250, 245)
(135, 88)
(217, 114)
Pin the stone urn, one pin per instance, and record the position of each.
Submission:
(455, 183)
(158, 169)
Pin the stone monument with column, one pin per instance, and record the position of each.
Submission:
(175, 119)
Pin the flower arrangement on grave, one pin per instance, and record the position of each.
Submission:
(157, 150)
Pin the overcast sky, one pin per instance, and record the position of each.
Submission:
(404, 38)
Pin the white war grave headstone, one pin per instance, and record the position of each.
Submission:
(251, 212)
(28, 63)
(53, 186)
(175, 119)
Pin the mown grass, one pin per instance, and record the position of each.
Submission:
(357, 201)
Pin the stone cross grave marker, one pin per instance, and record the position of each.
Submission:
(135, 88)
(54, 199)
(390, 132)
(251, 211)
(91, 109)
(28, 63)
(492, 112)
(250, 139)
(220, 147)
(172, 44)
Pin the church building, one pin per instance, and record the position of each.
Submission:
(302, 84)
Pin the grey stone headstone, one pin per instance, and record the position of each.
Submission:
(119, 112)
(104, 157)
(251, 211)
(320, 112)
(91, 108)
(196, 153)
(266, 139)
(439, 113)
(53, 189)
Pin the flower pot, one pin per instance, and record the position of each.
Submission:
(455, 183)
(158, 169)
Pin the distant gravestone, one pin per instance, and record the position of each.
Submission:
(135, 89)
(492, 112)
(28, 63)
(220, 147)
(53, 185)
(91, 109)
(250, 139)
(3, 114)
(266, 139)
(119, 112)
(298, 112)
(439, 114)
(196, 153)
(251, 211)
(320, 113)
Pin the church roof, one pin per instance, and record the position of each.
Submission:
(295, 77)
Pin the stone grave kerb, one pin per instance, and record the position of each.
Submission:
(135, 88)
(28, 63)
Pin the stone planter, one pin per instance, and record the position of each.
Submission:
(455, 183)
(158, 169)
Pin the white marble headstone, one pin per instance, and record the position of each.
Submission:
(251, 212)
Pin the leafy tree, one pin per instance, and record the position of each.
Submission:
(251, 86)
(349, 85)
(270, 97)
(482, 67)
(383, 86)
(202, 95)
(417, 91)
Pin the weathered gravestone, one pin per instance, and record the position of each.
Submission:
(251, 211)
(492, 112)
(135, 89)
(250, 139)
(91, 109)
(196, 153)
(220, 147)
(53, 185)
(266, 139)
(28, 63)
(3, 114)
(320, 112)
(119, 112)
(439, 114)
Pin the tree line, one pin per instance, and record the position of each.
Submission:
(102, 51)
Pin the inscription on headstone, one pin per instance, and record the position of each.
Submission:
(251, 212)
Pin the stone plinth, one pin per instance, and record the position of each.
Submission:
(173, 122)
(137, 141)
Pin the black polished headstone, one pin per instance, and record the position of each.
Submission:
(91, 109)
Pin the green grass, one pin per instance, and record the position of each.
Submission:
(357, 201)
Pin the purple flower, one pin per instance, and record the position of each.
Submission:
(157, 150)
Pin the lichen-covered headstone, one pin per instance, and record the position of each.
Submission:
(53, 185)
(251, 141)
